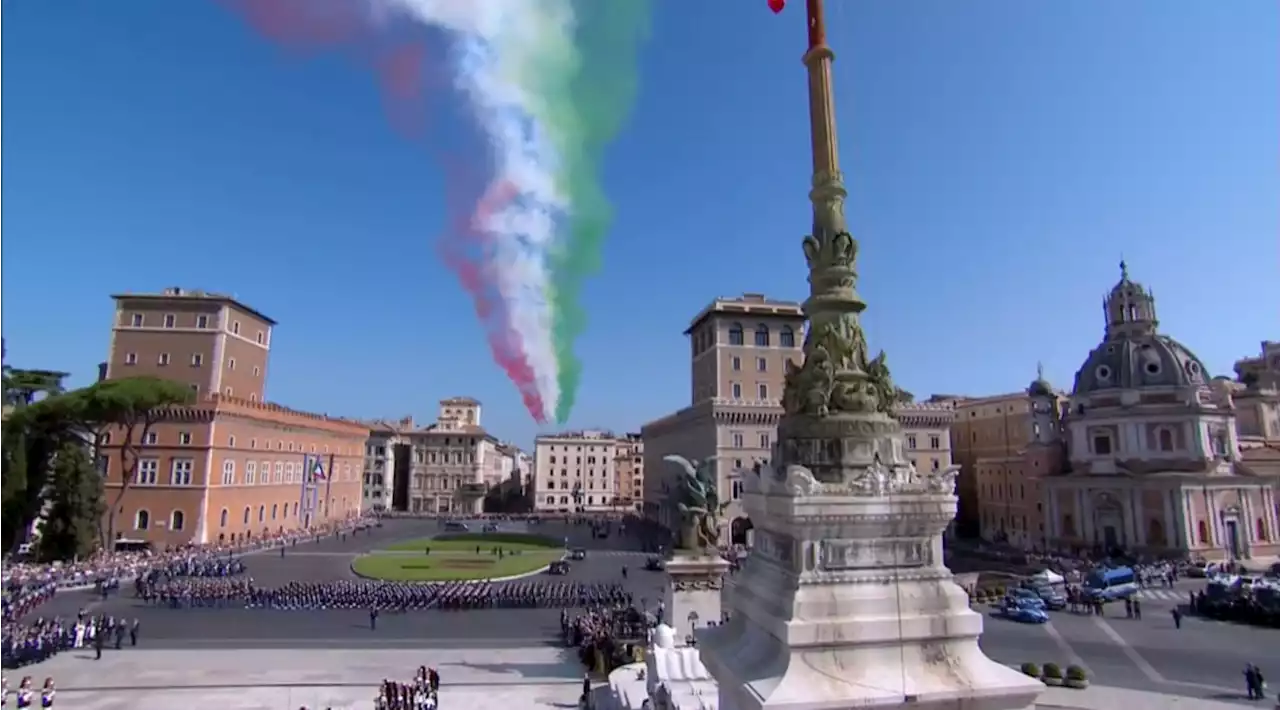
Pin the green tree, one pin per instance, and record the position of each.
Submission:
(128, 408)
(72, 521)
(34, 432)
(29, 440)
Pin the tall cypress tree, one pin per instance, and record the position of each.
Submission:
(70, 525)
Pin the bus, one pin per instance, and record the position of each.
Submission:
(1111, 583)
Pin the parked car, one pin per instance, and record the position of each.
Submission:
(1025, 597)
(1052, 596)
(1022, 611)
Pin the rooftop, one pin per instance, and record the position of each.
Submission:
(177, 293)
(748, 304)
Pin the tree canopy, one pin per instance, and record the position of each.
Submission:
(49, 446)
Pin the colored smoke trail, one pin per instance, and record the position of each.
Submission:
(550, 83)
(588, 109)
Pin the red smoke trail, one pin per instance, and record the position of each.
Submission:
(398, 56)
(469, 255)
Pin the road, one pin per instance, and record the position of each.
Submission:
(1204, 659)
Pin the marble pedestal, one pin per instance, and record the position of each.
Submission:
(844, 601)
(692, 597)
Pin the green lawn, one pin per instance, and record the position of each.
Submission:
(450, 566)
(467, 545)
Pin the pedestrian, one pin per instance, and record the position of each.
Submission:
(1251, 681)
(98, 640)
(1177, 618)
(133, 632)
(373, 619)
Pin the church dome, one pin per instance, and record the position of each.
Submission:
(1133, 354)
(1138, 362)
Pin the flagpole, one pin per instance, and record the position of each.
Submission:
(328, 484)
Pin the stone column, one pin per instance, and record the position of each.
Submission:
(1273, 525)
(1137, 532)
(1173, 534)
(692, 596)
(845, 602)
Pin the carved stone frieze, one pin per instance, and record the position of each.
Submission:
(874, 554)
(697, 584)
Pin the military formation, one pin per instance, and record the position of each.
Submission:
(41, 639)
(204, 592)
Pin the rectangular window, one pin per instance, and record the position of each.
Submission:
(935, 442)
(151, 438)
(170, 320)
(737, 390)
(764, 441)
(1102, 445)
(148, 472)
(736, 364)
(231, 363)
(184, 438)
(197, 359)
(279, 474)
(250, 471)
(737, 439)
(137, 320)
(762, 365)
(180, 472)
(911, 442)
(762, 391)
(131, 358)
(202, 321)
(163, 359)
(235, 327)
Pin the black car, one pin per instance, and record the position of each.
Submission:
(578, 554)
(655, 564)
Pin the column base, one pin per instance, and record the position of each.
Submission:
(754, 670)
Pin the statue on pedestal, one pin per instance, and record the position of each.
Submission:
(700, 506)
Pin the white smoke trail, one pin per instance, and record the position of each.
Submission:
(497, 42)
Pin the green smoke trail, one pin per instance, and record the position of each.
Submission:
(590, 90)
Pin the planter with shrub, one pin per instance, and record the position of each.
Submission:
(1052, 674)
(1076, 678)
(1031, 669)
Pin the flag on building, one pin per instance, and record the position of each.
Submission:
(317, 469)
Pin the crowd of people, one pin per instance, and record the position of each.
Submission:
(206, 592)
(606, 636)
(38, 640)
(421, 693)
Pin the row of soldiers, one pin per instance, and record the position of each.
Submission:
(197, 566)
(25, 644)
(196, 592)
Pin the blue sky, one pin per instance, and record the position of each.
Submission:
(1002, 156)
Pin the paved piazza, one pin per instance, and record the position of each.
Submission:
(236, 659)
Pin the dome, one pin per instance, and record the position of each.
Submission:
(1136, 362)
(1040, 387)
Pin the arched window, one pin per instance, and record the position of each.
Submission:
(1261, 528)
(295, 510)
(551, 500)
(222, 519)
(262, 513)
(564, 500)
(1202, 530)
(735, 334)
(142, 520)
(275, 510)
(787, 337)
(246, 515)
(177, 520)
(762, 335)
(1166, 440)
